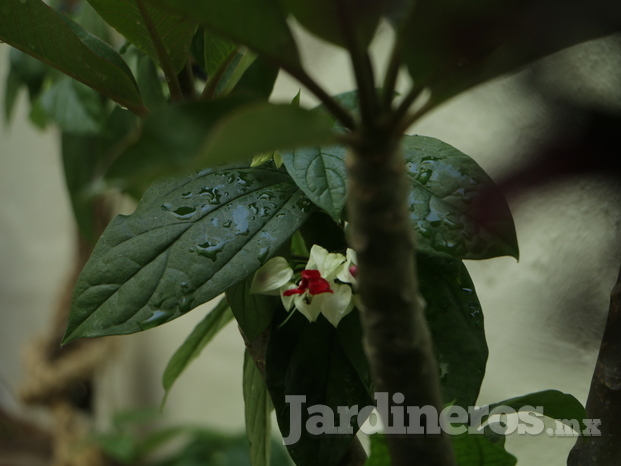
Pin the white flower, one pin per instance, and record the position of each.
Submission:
(325, 286)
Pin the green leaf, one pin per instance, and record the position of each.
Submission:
(258, 407)
(258, 80)
(455, 320)
(174, 31)
(195, 135)
(307, 359)
(452, 45)
(335, 21)
(456, 210)
(320, 172)
(216, 50)
(253, 312)
(149, 82)
(193, 345)
(74, 107)
(262, 27)
(190, 239)
(350, 336)
(69, 48)
(477, 450)
(90, 20)
(556, 405)
(380, 455)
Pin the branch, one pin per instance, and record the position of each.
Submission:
(392, 73)
(342, 115)
(604, 402)
(171, 77)
(397, 341)
(363, 69)
(186, 82)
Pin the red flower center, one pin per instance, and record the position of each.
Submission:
(311, 282)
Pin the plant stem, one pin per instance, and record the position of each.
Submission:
(604, 401)
(399, 119)
(213, 81)
(363, 69)
(342, 115)
(171, 77)
(397, 340)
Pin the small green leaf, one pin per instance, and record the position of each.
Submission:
(258, 80)
(216, 50)
(456, 210)
(258, 407)
(477, 450)
(174, 31)
(189, 240)
(253, 312)
(556, 405)
(64, 45)
(74, 107)
(380, 456)
(305, 358)
(213, 133)
(262, 27)
(455, 320)
(336, 21)
(149, 82)
(194, 344)
(320, 172)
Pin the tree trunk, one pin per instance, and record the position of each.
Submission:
(397, 340)
(604, 402)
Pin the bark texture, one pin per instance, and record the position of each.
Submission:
(397, 340)
(604, 401)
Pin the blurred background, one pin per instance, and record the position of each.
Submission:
(542, 134)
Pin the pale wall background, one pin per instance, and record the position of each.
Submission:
(544, 315)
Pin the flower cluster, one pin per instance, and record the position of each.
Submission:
(325, 286)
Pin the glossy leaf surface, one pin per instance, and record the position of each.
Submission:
(257, 409)
(194, 344)
(261, 27)
(174, 31)
(53, 38)
(189, 240)
(455, 320)
(456, 210)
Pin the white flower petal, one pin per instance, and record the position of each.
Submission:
(338, 304)
(310, 310)
(343, 273)
(287, 301)
(316, 257)
(273, 275)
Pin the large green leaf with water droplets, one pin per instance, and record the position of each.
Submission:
(40, 31)
(455, 320)
(189, 240)
(258, 24)
(455, 207)
(174, 31)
